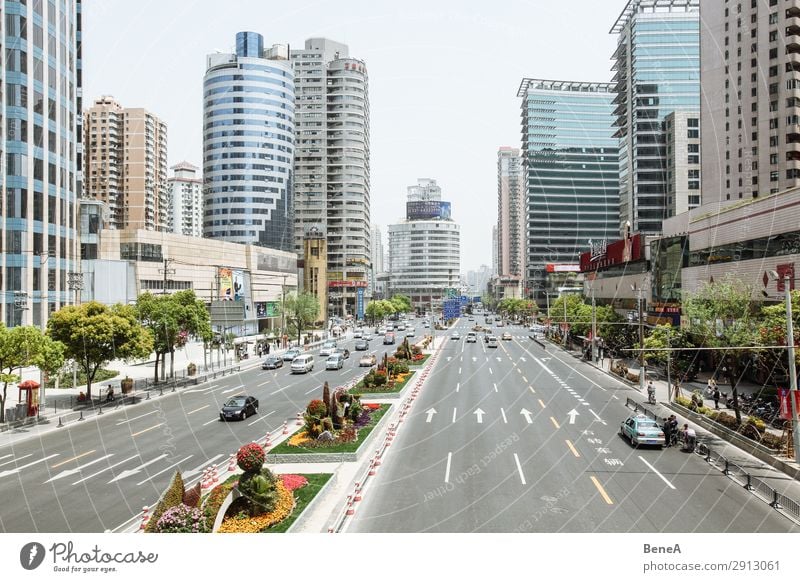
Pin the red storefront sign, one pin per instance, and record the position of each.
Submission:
(786, 404)
(616, 253)
(347, 283)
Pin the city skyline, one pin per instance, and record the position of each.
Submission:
(404, 48)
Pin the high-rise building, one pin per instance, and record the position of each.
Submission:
(424, 249)
(248, 144)
(185, 200)
(571, 176)
(751, 99)
(315, 270)
(657, 71)
(510, 214)
(377, 250)
(332, 174)
(682, 133)
(125, 157)
(495, 251)
(40, 153)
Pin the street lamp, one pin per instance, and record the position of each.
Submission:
(642, 368)
(790, 347)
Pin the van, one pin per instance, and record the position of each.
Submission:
(302, 364)
(388, 339)
(491, 342)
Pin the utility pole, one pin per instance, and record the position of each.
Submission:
(792, 368)
(564, 297)
(283, 307)
(167, 271)
(594, 327)
(642, 370)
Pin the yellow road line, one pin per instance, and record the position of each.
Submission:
(542, 403)
(72, 459)
(555, 422)
(198, 409)
(573, 449)
(601, 490)
(147, 429)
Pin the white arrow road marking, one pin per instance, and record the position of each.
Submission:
(499, 359)
(104, 470)
(597, 417)
(527, 414)
(474, 359)
(454, 414)
(654, 470)
(519, 468)
(495, 386)
(522, 359)
(200, 467)
(18, 469)
(458, 386)
(17, 459)
(545, 359)
(447, 469)
(121, 422)
(138, 469)
(479, 413)
(78, 469)
(430, 412)
(572, 414)
(449, 358)
(167, 469)
(503, 412)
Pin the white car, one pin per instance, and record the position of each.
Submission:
(410, 332)
(455, 336)
(472, 337)
(358, 334)
(328, 348)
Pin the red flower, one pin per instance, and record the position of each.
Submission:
(292, 482)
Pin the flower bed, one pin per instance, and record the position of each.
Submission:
(419, 359)
(246, 524)
(303, 497)
(286, 448)
(396, 384)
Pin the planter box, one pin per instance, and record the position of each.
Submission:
(126, 385)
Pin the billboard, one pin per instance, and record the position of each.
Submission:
(615, 253)
(238, 285)
(266, 309)
(225, 278)
(428, 209)
(360, 303)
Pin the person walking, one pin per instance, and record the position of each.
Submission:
(716, 398)
(266, 347)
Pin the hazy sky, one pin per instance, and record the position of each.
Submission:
(443, 78)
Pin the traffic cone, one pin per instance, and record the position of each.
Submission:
(232, 464)
(350, 510)
(285, 428)
(357, 493)
(299, 419)
(145, 518)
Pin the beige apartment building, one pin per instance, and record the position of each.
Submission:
(125, 164)
(510, 215)
(751, 99)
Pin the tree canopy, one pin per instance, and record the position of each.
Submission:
(301, 311)
(93, 334)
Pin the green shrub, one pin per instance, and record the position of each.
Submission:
(213, 502)
(327, 424)
(171, 498)
(317, 408)
(773, 441)
(683, 401)
(757, 422)
(380, 379)
(354, 411)
(259, 490)
(726, 420)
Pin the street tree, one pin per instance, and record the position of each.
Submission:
(772, 333)
(93, 334)
(172, 319)
(25, 346)
(378, 309)
(401, 303)
(722, 316)
(665, 345)
(301, 311)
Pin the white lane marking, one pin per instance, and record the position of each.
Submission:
(210, 421)
(531, 389)
(201, 466)
(524, 379)
(459, 371)
(490, 371)
(264, 383)
(234, 389)
(447, 470)
(587, 404)
(5, 456)
(314, 389)
(503, 412)
(78, 469)
(198, 409)
(495, 387)
(454, 414)
(614, 397)
(121, 422)
(260, 418)
(163, 471)
(106, 469)
(138, 469)
(541, 363)
(18, 469)
(458, 385)
(597, 417)
(654, 470)
(519, 468)
(17, 459)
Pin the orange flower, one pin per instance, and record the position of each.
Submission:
(283, 509)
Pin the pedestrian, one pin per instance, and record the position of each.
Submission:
(716, 398)
(667, 432)
(710, 387)
(266, 347)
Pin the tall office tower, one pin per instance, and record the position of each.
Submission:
(186, 200)
(571, 176)
(495, 251)
(332, 174)
(248, 145)
(40, 150)
(377, 250)
(682, 133)
(125, 160)
(657, 71)
(750, 110)
(510, 214)
(424, 249)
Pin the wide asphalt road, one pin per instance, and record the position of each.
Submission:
(523, 439)
(98, 474)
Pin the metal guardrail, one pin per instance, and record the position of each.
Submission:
(737, 473)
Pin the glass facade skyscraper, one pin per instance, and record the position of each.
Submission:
(40, 153)
(571, 176)
(657, 72)
(248, 145)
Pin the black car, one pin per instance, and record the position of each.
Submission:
(362, 345)
(238, 407)
(272, 362)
